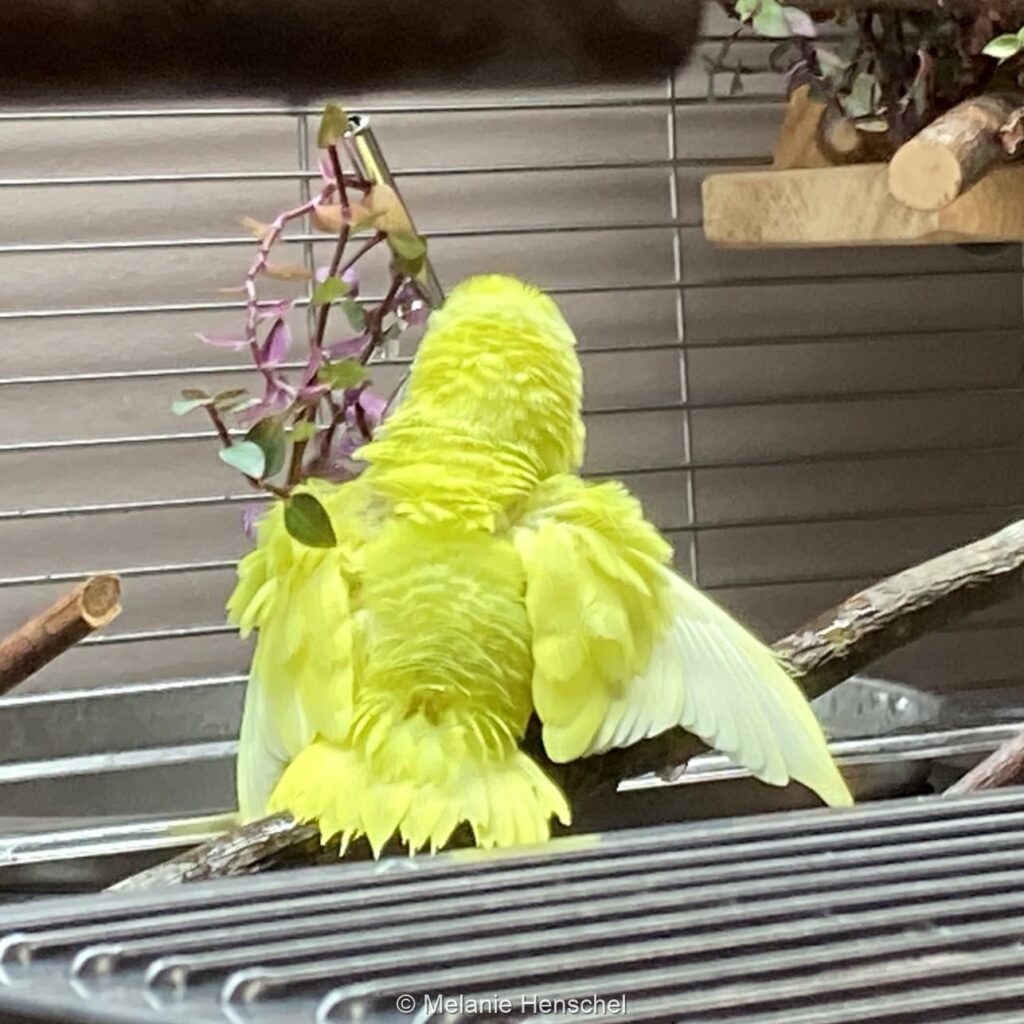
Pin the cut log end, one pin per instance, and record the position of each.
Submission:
(925, 176)
(100, 600)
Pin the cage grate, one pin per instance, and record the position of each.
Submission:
(906, 911)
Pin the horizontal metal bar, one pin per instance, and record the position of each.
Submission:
(824, 398)
(121, 507)
(707, 526)
(655, 102)
(919, 746)
(554, 290)
(129, 245)
(116, 760)
(108, 839)
(126, 572)
(171, 633)
(456, 170)
(697, 465)
(887, 338)
(89, 377)
(300, 302)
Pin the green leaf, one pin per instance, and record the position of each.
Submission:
(333, 126)
(184, 406)
(410, 247)
(354, 312)
(1004, 47)
(328, 291)
(230, 399)
(861, 100)
(308, 522)
(343, 375)
(745, 8)
(304, 430)
(268, 436)
(770, 20)
(246, 457)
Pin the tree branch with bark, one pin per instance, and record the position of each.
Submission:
(819, 655)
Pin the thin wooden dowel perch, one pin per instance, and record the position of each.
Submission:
(821, 654)
(91, 605)
(1003, 767)
(955, 151)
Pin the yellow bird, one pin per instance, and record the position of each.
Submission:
(478, 580)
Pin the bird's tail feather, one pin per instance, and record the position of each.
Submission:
(412, 787)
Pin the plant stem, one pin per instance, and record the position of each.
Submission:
(225, 440)
(363, 250)
(376, 319)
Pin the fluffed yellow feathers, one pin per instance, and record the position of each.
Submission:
(478, 580)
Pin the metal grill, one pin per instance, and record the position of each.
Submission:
(908, 911)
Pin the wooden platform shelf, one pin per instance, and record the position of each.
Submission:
(841, 206)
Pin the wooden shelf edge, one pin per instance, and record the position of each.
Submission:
(851, 206)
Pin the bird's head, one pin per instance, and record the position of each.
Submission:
(499, 359)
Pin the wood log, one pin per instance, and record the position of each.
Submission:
(846, 206)
(890, 614)
(816, 134)
(1003, 767)
(821, 654)
(954, 152)
(71, 618)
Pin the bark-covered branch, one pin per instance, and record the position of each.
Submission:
(956, 151)
(821, 654)
(71, 618)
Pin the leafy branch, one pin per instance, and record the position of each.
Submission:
(310, 426)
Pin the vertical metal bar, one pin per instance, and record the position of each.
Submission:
(374, 168)
(305, 194)
(684, 375)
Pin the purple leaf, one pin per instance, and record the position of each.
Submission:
(275, 348)
(347, 348)
(272, 308)
(251, 514)
(310, 387)
(219, 341)
(349, 277)
(278, 396)
(800, 22)
(313, 364)
(326, 170)
(415, 314)
(373, 407)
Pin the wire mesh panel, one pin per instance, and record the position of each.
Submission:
(797, 422)
(905, 912)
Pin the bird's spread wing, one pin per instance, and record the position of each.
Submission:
(297, 599)
(625, 649)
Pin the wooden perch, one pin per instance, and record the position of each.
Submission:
(852, 205)
(1003, 767)
(955, 151)
(819, 655)
(815, 134)
(92, 604)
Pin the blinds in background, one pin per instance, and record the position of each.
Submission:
(798, 422)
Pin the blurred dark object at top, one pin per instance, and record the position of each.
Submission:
(299, 50)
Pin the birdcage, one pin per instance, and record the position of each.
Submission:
(798, 423)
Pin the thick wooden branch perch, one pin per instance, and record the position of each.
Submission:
(956, 151)
(92, 604)
(821, 654)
